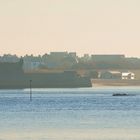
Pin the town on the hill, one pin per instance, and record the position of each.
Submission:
(95, 66)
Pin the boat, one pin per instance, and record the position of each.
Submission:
(120, 94)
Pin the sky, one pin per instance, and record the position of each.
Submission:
(82, 26)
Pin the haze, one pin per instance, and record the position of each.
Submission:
(84, 26)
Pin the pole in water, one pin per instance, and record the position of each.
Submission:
(30, 90)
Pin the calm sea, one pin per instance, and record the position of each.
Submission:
(70, 114)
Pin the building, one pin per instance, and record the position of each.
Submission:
(110, 75)
(58, 54)
(9, 58)
(117, 75)
(61, 60)
(73, 54)
(128, 75)
(107, 58)
(85, 58)
(32, 65)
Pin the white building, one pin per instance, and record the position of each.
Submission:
(117, 75)
(128, 75)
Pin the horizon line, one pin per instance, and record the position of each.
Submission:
(34, 54)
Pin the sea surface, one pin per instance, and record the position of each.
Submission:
(70, 114)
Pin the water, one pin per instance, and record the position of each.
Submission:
(70, 114)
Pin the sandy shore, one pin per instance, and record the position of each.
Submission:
(110, 82)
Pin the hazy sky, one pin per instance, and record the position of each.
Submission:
(84, 26)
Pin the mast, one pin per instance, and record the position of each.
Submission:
(30, 90)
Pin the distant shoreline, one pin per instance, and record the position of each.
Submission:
(111, 82)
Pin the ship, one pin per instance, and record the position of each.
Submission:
(12, 76)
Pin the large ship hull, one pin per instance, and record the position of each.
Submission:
(55, 80)
(12, 76)
(45, 83)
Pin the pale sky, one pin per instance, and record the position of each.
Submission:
(84, 26)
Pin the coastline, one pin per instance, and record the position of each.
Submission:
(110, 82)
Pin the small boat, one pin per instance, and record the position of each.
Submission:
(119, 94)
